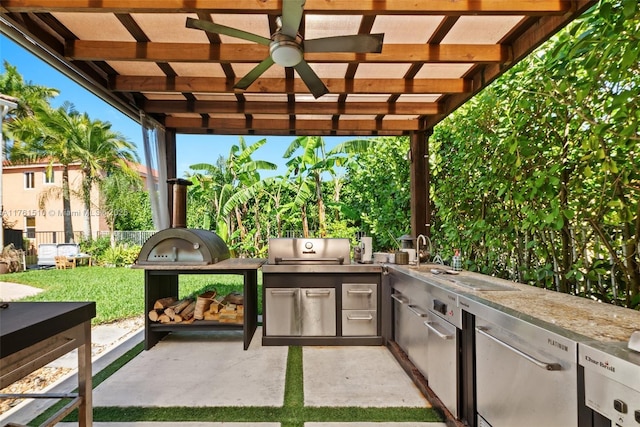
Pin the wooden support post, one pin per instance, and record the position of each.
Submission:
(171, 156)
(420, 184)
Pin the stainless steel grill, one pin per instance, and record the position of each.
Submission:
(286, 251)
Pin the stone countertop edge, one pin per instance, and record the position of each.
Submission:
(557, 311)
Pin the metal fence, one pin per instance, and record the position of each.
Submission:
(36, 238)
(135, 237)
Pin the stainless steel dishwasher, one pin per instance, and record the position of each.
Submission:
(526, 375)
(443, 322)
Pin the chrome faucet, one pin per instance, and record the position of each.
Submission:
(421, 238)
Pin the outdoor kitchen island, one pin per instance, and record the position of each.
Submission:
(314, 295)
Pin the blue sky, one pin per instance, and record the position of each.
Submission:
(191, 149)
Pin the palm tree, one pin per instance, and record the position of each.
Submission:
(100, 151)
(30, 96)
(47, 135)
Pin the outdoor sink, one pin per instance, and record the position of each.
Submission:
(473, 283)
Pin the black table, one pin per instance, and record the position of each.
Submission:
(32, 334)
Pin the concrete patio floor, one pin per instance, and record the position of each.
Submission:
(199, 369)
(212, 369)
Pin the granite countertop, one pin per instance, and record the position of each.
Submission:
(592, 319)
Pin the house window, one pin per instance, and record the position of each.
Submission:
(48, 176)
(29, 181)
(31, 227)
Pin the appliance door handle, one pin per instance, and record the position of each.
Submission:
(302, 260)
(412, 308)
(400, 298)
(360, 291)
(282, 292)
(540, 364)
(317, 293)
(356, 317)
(429, 324)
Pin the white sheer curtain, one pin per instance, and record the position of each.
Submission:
(154, 153)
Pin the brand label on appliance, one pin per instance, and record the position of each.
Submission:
(600, 363)
(557, 344)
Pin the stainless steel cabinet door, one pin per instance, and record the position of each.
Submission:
(282, 311)
(442, 357)
(418, 338)
(402, 320)
(318, 311)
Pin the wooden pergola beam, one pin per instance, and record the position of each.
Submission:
(365, 7)
(281, 85)
(316, 108)
(307, 127)
(253, 53)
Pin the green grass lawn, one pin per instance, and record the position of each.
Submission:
(118, 292)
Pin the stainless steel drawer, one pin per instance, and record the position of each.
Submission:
(359, 323)
(359, 296)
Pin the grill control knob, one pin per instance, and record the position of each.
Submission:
(620, 406)
(439, 306)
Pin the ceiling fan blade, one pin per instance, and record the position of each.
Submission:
(291, 17)
(360, 43)
(227, 31)
(252, 75)
(311, 79)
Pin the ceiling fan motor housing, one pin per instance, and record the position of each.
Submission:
(285, 50)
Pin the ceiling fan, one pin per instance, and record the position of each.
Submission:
(286, 47)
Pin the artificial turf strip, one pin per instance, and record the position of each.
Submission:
(293, 413)
(285, 415)
(294, 385)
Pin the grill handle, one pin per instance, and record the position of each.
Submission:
(298, 260)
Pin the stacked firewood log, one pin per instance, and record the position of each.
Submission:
(206, 306)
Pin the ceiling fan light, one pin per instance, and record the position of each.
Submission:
(286, 53)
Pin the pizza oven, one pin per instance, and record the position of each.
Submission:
(180, 245)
